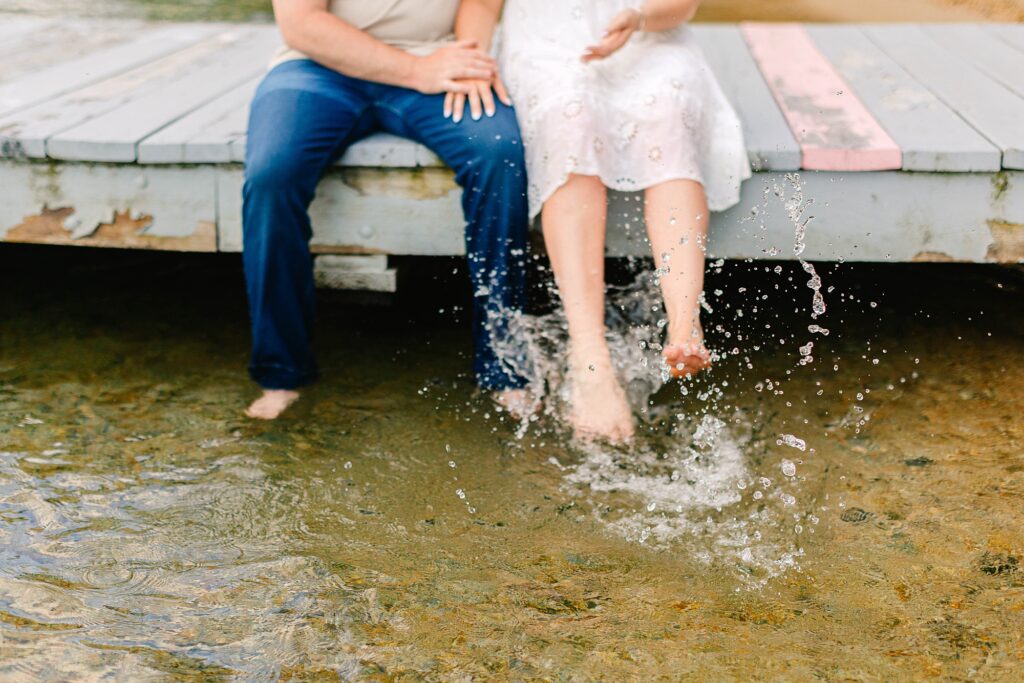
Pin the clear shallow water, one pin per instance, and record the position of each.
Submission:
(149, 532)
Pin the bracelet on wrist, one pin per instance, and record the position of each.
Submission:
(641, 18)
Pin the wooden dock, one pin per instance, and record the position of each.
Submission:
(909, 139)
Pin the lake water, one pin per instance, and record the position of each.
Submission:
(394, 527)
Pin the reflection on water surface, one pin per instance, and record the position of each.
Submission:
(393, 527)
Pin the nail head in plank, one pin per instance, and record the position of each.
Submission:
(113, 136)
(997, 59)
(834, 129)
(155, 41)
(930, 135)
(990, 107)
(770, 143)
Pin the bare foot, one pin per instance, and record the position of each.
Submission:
(271, 404)
(519, 403)
(687, 355)
(598, 409)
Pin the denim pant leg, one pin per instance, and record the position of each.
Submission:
(487, 157)
(301, 119)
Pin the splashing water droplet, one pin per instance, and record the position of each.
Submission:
(793, 441)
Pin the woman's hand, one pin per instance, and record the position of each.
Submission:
(453, 67)
(618, 32)
(480, 96)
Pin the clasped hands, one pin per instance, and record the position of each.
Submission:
(466, 73)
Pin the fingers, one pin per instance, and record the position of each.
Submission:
(470, 74)
(475, 58)
(456, 87)
(608, 46)
(460, 106)
(501, 92)
(481, 61)
(479, 96)
(487, 99)
(475, 108)
(598, 51)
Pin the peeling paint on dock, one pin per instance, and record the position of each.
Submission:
(1007, 242)
(123, 232)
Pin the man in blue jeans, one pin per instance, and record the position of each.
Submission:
(351, 68)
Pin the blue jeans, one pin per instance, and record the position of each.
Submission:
(302, 118)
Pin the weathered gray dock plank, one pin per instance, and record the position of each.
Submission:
(113, 135)
(204, 135)
(990, 107)
(12, 25)
(931, 136)
(977, 219)
(380, 150)
(1011, 34)
(150, 43)
(881, 216)
(366, 211)
(996, 58)
(769, 141)
(833, 127)
(187, 110)
(54, 41)
(27, 131)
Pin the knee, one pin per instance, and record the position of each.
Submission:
(273, 174)
(498, 148)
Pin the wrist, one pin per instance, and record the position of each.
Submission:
(641, 18)
(410, 71)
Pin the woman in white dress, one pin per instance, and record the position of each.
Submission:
(613, 94)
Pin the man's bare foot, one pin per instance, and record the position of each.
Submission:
(598, 407)
(687, 355)
(271, 404)
(519, 403)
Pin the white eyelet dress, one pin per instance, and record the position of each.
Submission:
(651, 112)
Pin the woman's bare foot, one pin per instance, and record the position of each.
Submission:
(598, 409)
(519, 403)
(271, 404)
(686, 355)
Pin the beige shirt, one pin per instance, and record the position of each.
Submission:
(416, 26)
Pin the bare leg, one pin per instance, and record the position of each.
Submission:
(271, 404)
(677, 225)
(574, 232)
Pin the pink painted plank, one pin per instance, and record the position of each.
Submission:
(834, 129)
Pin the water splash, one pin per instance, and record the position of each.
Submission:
(797, 207)
(695, 494)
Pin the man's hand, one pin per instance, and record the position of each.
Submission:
(452, 68)
(480, 96)
(618, 32)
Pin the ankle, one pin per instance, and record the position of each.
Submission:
(684, 333)
(590, 353)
